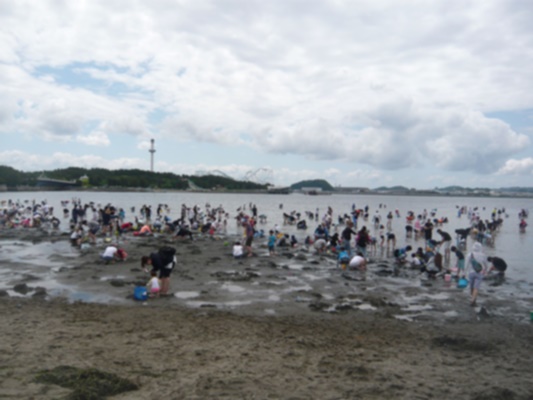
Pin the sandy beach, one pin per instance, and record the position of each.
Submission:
(340, 339)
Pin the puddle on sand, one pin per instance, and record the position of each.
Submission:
(186, 295)
(417, 307)
(233, 288)
(109, 278)
(221, 305)
(296, 267)
(93, 298)
(366, 307)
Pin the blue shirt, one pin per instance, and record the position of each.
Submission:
(344, 256)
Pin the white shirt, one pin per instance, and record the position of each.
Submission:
(109, 251)
(153, 283)
(238, 250)
(356, 261)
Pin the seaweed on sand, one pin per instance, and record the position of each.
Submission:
(87, 384)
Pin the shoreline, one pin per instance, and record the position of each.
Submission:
(333, 193)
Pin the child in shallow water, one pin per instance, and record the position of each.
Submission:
(343, 259)
(272, 243)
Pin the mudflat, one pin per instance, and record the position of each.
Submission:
(299, 350)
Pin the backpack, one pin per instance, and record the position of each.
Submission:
(167, 253)
(477, 266)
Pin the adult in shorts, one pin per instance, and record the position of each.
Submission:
(476, 268)
(93, 228)
(163, 268)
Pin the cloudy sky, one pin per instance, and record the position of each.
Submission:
(361, 93)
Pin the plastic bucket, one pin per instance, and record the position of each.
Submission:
(140, 293)
(447, 277)
(462, 283)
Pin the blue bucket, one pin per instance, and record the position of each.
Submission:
(140, 293)
(462, 283)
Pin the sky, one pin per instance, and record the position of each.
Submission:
(374, 93)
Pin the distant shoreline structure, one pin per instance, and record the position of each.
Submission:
(413, 193)
(136, 180)
(50, 183)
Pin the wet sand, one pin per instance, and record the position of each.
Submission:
(327, 337)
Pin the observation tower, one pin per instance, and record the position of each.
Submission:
(152, 151)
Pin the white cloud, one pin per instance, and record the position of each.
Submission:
(32, 162)
(517, 167)
(44, 109)
(94, 139)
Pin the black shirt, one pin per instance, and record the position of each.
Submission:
(499, 264)
(445, 236)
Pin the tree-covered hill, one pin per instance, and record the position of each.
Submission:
(125, 178)
(314, 183)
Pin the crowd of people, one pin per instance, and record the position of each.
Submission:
(353, 237)
(353, 247)
(27, 214)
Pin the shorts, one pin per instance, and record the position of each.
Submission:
(475, 279)
(249, 241)
(154, 290)
(461, 264)
(165, 272)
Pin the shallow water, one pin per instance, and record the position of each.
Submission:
(511, 245)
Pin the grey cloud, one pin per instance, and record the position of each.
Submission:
(403, 135)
